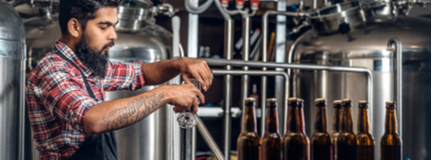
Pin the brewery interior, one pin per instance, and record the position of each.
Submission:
(373, 50)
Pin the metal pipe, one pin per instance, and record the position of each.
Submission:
(265, 25)
(258, 73)
(229, 29)
(246, 46)
(219, 62)
(398, 49)
(264, 51)
(209, 139)
(22, 112)
(280, 53)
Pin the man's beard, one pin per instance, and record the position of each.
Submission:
(92, 58)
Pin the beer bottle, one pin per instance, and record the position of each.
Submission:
(337, 118)
(248, 142)
(347, 142)
(271, 148)
(365, 141)
(321, 142)
(390, 144)
(295, 144)
(302, 124)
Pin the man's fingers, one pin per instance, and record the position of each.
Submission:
(210, 77)
(186, 77)
(200, 79)
(200, 96)
(194, 107)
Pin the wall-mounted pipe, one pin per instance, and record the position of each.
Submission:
(219, 62)
(398, 50)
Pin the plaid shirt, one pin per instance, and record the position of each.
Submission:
(57, 99)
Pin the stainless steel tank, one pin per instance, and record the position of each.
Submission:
(365, 45)
(139, 39)
(12, 82)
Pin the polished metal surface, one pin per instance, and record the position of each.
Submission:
(246, 49)
(328, 19)
(148, 138)
(280, 54)
(368, 47)
(368, 72)
(278, 82)
(229, 36)
(12, 83)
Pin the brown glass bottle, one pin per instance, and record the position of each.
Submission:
(390, 145)
(321, 142)
(294, 141)
(347, 142)
(365, 141)
(248, 142)
(337, 118)
(271, 147)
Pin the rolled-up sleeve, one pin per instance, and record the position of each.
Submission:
(65, 98)
(124, 76)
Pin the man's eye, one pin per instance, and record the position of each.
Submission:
(103, 28)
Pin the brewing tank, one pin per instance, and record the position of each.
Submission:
(366, 46)
(139, 39)
(12, 81)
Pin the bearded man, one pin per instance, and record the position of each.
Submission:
(66, 90)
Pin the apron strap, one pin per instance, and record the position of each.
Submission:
(96, 147)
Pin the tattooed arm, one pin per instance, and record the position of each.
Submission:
(162, 71)
(116, 114)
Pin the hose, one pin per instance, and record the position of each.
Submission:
(221, 10)
(197, 10)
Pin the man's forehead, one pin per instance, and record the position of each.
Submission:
(108, 14)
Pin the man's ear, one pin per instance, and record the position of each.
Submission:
(74, 28)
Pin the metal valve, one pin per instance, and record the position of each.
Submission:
(240, 4)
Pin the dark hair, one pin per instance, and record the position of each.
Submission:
(82, 10)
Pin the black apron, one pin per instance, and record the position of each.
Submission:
(96, 147)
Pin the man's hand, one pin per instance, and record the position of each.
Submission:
(184, 97)
(197, 69)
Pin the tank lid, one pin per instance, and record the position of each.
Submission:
(11, 25)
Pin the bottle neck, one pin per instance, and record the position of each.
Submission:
(293, 121)
(363, 121)
(320, 119)
(390, 122)
(337, 116)
(249, 119)
(346, 125)
(272, 124)
(302, 120)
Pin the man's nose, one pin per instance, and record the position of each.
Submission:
(113, 34)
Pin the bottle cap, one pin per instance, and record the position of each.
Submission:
(271, 100)
(320, 102)
(363, 104)
(346, 102)
(299, 100)
(249, 99)
(391, 105)
(292, 99)
(337, 103)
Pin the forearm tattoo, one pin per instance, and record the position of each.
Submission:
(133, 111)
